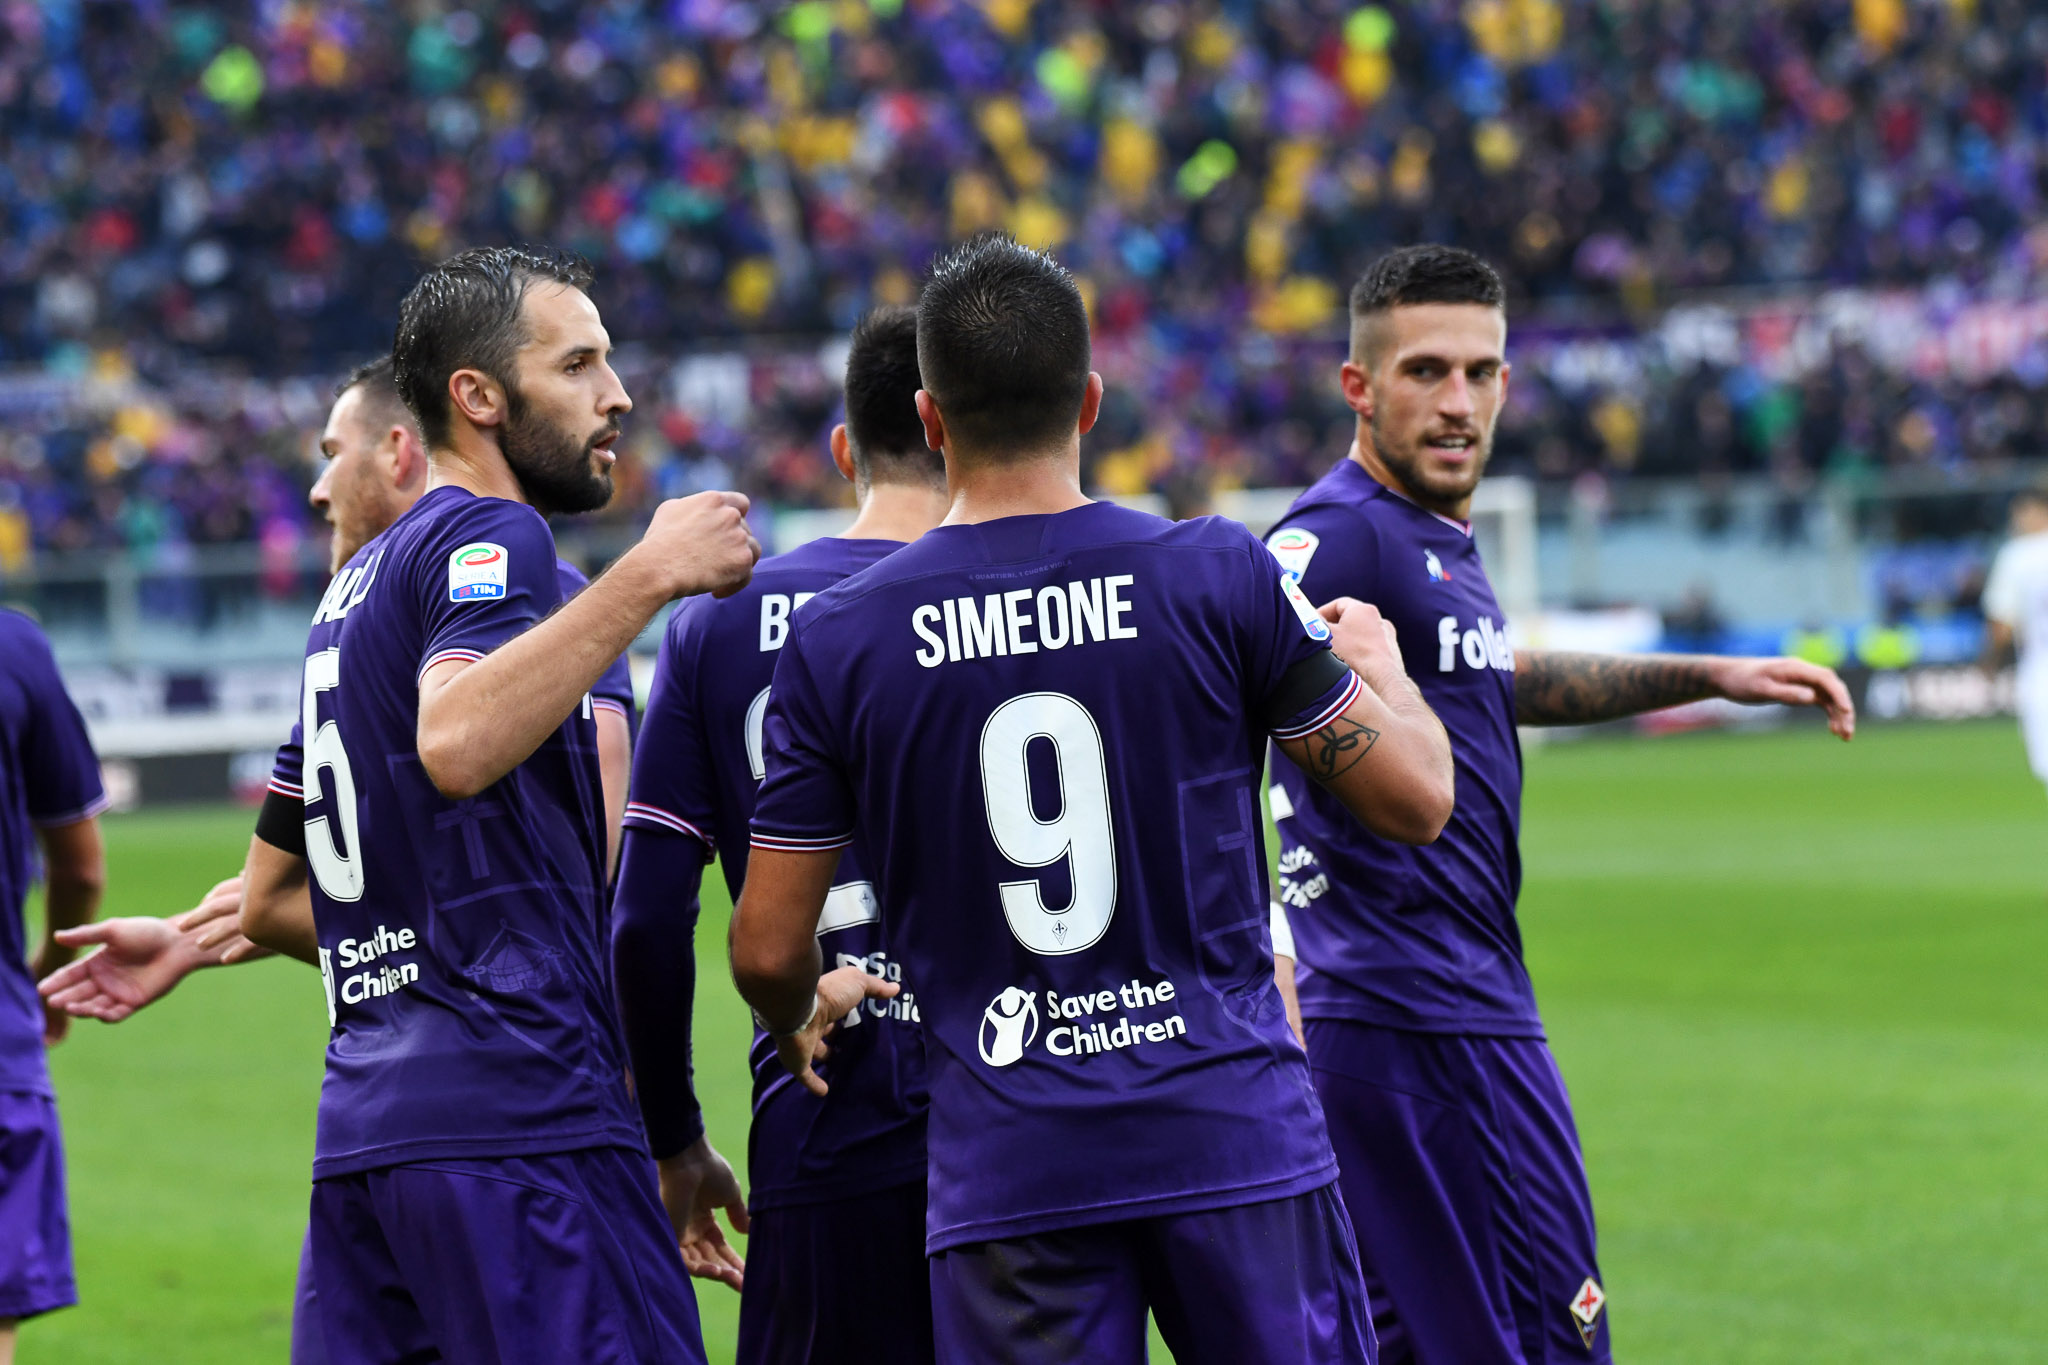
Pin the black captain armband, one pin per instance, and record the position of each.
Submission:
(282, 823)
(1302, 685)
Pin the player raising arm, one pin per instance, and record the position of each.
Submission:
(1044, 725)
(1461, 1168)
(481, 1189)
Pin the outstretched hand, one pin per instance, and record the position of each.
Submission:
(695, 1183)
(135, 962)
(1792, 682)
(839, 992)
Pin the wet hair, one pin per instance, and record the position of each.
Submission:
(1002, 344)
(380, 391)
(465, 314)
(882, 381)
(1429, 273)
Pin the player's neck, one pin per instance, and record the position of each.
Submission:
(899, 511)
(1369, 460)
(473, 461)
(986, 490)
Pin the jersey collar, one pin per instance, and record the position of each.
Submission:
(1463, 527)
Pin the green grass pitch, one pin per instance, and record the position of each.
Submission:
(1794, 986)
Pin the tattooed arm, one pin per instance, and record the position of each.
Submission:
(1556, 688)
(1386, 757)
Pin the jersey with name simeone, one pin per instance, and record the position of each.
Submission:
(696, 773)
(1049, 731)
(1410, 937)
(462, 943)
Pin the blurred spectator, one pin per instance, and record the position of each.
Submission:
(253, 186)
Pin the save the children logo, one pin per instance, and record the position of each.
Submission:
(1008, 1025)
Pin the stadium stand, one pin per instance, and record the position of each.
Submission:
(244, 191)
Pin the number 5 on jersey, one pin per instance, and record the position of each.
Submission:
(340, 874)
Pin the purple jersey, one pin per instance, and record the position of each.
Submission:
(49, 775)
(613, 691)
(1391, 934)
(1050, 730)
(461, 942)
(697, 771)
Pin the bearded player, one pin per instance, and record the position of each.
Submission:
(1461, 1165)
(828, 1173)
(481, 1189)
(1043, 724)
(373, 468)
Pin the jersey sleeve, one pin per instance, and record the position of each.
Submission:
(288, 770)
(614, 691)
(1296, 684)
(1330, 553)
(673, 788)
(806, 803)
(60, 771)
(492, 577)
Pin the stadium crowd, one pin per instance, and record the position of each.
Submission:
(249, 189)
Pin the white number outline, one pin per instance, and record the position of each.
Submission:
(1077, 742)
(340, 876)
(757, 744)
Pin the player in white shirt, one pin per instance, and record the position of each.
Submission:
(2016, 614)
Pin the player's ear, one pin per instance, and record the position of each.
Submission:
(934, 424)
(1357, 384)
(1091, 402)
(1505, 370)
(406, 457)
(477, 398)
(842, 453)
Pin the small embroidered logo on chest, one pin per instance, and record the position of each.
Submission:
(1437, 572)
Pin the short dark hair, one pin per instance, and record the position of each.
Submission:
(1428, 273)
(464, 314)
(379, 384)
(882, 381)
(1002, 343)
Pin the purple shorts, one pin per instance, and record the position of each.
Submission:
(35, 1233)
(826, 1282)
(1273, 1283)
(307, 1346)
(540, 1259)
(1461, 1169)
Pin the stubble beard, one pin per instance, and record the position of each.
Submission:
(1437, 490)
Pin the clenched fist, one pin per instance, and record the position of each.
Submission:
(1365, 640)
(700, 544)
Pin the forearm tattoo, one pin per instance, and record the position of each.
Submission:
(1553, 688)
(1337, 747)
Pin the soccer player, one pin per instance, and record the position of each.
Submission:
(481, 1190)
(1461, 1167)
(374, 467)
(836, 1246)
(50, 800)
(1047, 720)
(2016, 617)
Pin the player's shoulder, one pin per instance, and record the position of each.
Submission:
(24, 649)
(20, 631)
(572, 579)
(449, 520)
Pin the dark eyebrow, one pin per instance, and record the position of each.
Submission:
(579, 352)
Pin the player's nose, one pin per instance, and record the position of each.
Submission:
(1457, 398)
(613, 400)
